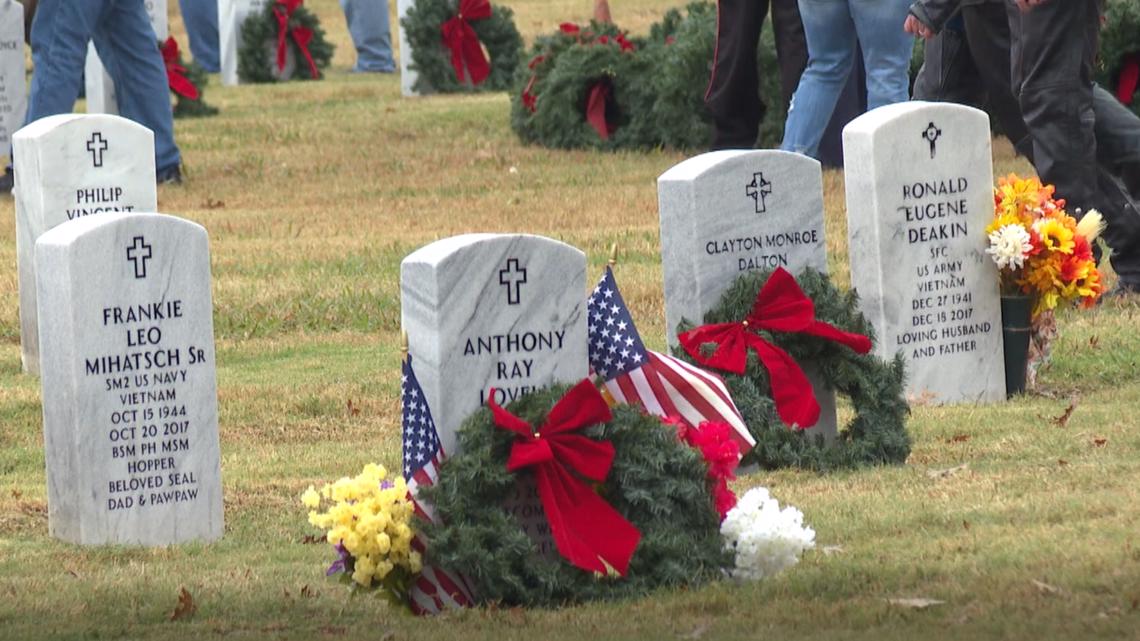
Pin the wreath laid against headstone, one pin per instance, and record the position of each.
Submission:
(469, 45)
(765, 324)
(283, 42)
(1119, 69)
(187, 82)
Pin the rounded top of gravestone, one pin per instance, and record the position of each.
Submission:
(62, 123)
(870, 122)
(68, 232)
(728, 159)
(438, 253)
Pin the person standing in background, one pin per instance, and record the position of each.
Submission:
(201, 20)
(836, 30)
(368, 24)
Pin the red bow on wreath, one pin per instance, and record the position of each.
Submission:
(1129, 78)
(589, 532)
(596, 109)
(464, 44)
(175, 77)
(302, 35)
(781, 306)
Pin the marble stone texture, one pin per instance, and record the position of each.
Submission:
(231, 15)
(724, 213)
(100, 89)
(919, 180)
(129, 393)
(408, 76)
(492, 310)
(71, 166)
(13, 88)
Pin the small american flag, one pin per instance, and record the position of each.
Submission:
(662, 384)
(436, 589)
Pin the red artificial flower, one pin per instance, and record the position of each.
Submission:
(604, 39)
(1035, 242)
(569, 28)
(722, 454)
(1081, 248)
(670, 40)
(626, 45)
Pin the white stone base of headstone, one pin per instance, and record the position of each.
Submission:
(67, 167)
(13, 88)
(128, 384)
(408, 76)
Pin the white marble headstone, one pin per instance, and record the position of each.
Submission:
(408, 76)
(724, 213)
(100, 89)
(13, 84)
(70, 166)
(919, 180)
(231, 15)
(129, 393)
(506, 311)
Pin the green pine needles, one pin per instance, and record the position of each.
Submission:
(876, 436)
(257, 56)
(431, 59)
(656, 482)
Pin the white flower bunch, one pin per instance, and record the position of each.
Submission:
(1009, 246)
(765, 538)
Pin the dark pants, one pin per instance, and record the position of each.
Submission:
(733, 95)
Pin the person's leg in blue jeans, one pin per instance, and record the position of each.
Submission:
(201, 20)
(127, 44)
(59, 49)
(831, 45)
(886, 49)
(371, 35)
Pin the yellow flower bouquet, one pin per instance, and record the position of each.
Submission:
(369, 520)
(1040, 250)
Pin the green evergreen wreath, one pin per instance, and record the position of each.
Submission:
(431, 60)
(656, 482)
(876, 436)
(257, 56)
(187, 108)
(1119, 38)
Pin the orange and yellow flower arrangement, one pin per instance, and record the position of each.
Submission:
(1040, 250)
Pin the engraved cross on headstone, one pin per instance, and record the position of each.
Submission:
(931, 134)
(138, 253)
(758, 189)
(97, 146)
(513, 277)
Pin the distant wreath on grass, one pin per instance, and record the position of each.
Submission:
(876, 436)
(283, 42)
(451, 42)
(1119, 69)
(656, 483)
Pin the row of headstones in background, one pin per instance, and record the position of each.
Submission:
(116, 316)
(231, 15)
(100, 89)
(919, 182)
(13, 87)
(726, 213)
(69, 167)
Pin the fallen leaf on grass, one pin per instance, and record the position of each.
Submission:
(966, 524)
(1063, 419)
(308, 592)
(1062, 462)
(352, 409)
(947, 473)
(1100, 442)
(1094, 341)
(1045, 588)
(185, 608)
(214, 204)
(310, 539)
(915, 603)
(958, 438)
(16, 494)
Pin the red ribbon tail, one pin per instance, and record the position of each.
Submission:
(303, 36)
(282, 30)
(452, 31)
(477, 66)
(858, 342)
(1129, 78)
(588, 532)
(596, 109)
(791, 389)
(179, 83)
